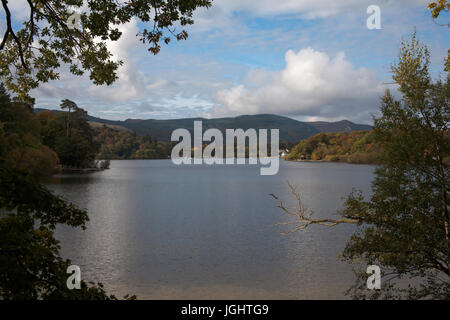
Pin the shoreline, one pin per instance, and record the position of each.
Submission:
(328, 161)
(78, 170)
(281, 158)
(98, 165)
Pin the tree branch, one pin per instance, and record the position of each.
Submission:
(10, 31)
(303, 215)
(32, 9)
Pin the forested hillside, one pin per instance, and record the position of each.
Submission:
(120, 144)
(353, 147)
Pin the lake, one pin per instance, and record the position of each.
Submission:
(162, 231)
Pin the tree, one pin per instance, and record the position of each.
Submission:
(404, 227)
(47, 39)
(69, 105)
(22, 146)
(30, 262)
(72, 141)
(30, 265)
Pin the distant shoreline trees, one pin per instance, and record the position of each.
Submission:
(125, 145)
(69, 134)
(354, 147)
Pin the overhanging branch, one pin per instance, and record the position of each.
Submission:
(10, 31)
(303, 215)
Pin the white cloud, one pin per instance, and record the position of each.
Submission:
(132, 82)
(19, 9)
(183, 80)
(311, 84)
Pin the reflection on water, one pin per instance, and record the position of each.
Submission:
(199, 232)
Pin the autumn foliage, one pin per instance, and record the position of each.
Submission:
(353, 147)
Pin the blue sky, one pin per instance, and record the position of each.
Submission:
(305, 59)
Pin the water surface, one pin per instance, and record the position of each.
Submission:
(208, 232)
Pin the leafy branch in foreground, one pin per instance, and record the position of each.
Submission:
(30, 263)
(33, 53)
(437, 7)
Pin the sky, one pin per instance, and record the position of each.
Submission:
(308, 60)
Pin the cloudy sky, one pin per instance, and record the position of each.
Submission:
(305, 59)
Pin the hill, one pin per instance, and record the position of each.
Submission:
(339, 126)
(290, 130)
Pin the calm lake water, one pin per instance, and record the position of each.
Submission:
(208, 232)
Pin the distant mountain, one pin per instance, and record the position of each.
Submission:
(340, 126)
(290, 130)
